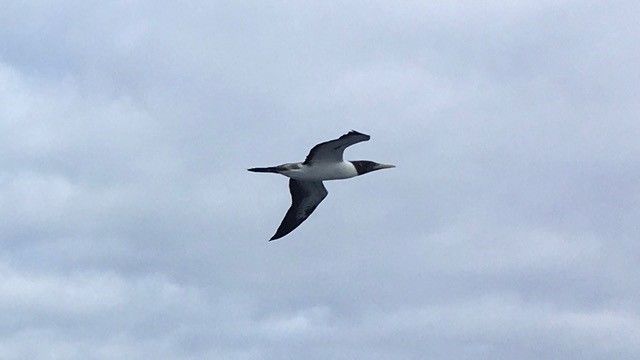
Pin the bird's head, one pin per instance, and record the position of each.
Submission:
(365, 166)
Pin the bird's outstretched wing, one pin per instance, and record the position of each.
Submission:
(332, 150)
(305, 197)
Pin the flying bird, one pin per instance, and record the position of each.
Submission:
(324, 162)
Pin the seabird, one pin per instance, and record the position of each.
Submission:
(324, 162)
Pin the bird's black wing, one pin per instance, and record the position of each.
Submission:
(305, 197)
(333, 150)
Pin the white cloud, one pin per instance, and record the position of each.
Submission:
(130, 228)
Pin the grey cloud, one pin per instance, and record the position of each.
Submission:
(131, 229)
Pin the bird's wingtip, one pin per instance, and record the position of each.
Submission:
(354, 132)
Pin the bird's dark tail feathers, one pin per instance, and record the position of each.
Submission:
(271, 169)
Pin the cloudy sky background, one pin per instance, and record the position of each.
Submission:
(130, 228)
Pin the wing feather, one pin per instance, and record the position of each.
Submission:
(305, 197)
(332, 150)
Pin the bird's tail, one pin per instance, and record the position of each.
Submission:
(271, 169)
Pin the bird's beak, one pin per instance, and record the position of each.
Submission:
(384, 166)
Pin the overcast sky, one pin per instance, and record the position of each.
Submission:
(130, 228)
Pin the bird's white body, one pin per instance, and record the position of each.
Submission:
(320, 171)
